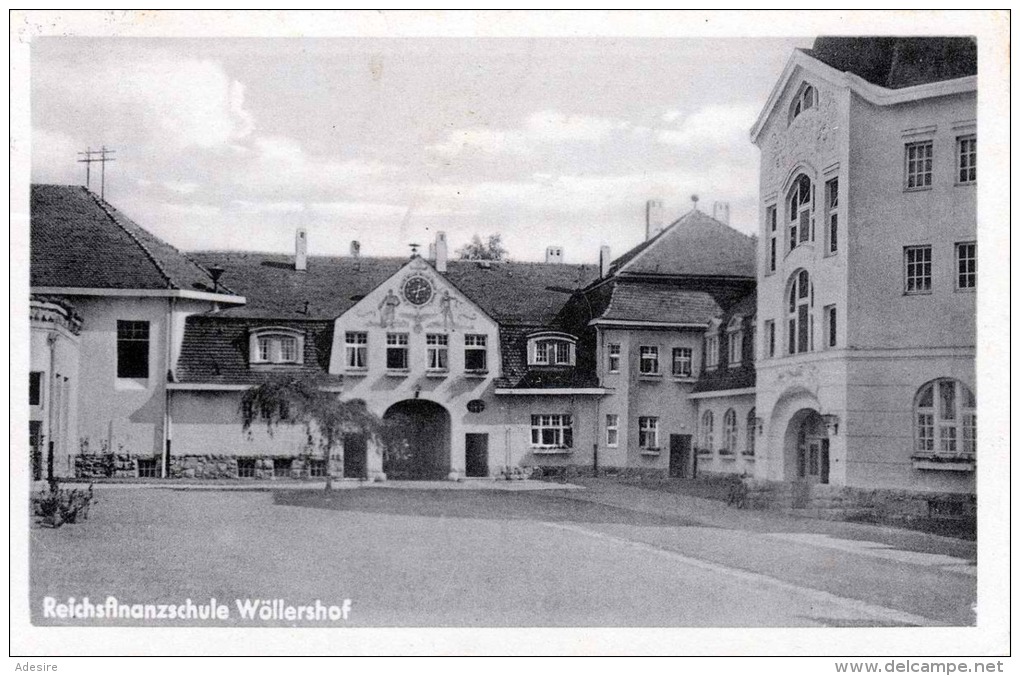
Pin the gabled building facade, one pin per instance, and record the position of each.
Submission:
(867, 267)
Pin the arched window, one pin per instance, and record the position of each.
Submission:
(707, 432)
(798, 313)
(548, 348)
(800, 203)
(805, 100)
(730, 432)
(945, 418)
(751, 427)
(276, 345)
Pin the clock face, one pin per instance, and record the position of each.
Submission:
(418, 290)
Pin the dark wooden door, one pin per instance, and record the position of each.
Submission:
(680, 466)
(355, 457)
(825, 461)
(476, 455)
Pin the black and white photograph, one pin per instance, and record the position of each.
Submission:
(510, 333)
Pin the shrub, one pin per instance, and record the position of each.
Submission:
(57, 506)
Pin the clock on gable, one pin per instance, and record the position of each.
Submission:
(417, 290)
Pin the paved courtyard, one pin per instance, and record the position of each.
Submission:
(606, 555)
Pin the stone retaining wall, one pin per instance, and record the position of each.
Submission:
(119, 465)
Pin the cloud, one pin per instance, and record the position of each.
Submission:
(711, 125)
(539, 129)
(355, 210)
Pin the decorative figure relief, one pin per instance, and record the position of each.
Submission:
(812, 134)
(388, 309)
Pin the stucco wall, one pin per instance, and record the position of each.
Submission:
(885, 217)
(634, 395)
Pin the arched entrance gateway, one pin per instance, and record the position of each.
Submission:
(418, 443)
(806, 448)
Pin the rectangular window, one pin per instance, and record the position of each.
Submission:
(475, 353)
(917, 260)
(148, 468)
(683, 358)
(35, 388)
(551, 431)
(735, 346)
(356, 343)
(919, 159)
(648, 433)
(966, 159)
(317, 467)
(563, 353)
(966, 265)
(265, 346)
(711, 351)
(969, 432)
(132, 349)
(614, 358)
(649, 360)
(246, 468)
(438, 351)
(925, 432)
(832, 215)
(281, 467)
(770, 338)
(770, 221)
(830, 325)
(802, 328)
(396, 351)
(612, 430)
(288, 349)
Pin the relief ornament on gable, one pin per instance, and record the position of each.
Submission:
(812, 134)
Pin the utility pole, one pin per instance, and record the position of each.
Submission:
(103, 155)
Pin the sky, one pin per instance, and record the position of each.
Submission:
(234, 143)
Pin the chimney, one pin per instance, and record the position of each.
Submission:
(554, 254)
(604, 261)
(721, 212)
(653, 218)
(441, 252)
(301, 250)
(432, 251)
(355, 248)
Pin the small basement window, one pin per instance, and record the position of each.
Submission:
(246, 468)
(317, 467)
(148, 468)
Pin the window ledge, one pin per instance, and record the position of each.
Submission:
(649, 376)
(476, 373)
(397, 373)
(955, 462)
(651, 451)
(703, 453)
(747, 456)
(684, 379)
(921, 189)
(551, 451)
(356, 371)
(727, 456)
(917, 293)
(437, 373)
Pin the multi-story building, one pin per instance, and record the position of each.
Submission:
(867, 267)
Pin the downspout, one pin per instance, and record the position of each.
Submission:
(167, 392)
(51, 339)
(598, 404)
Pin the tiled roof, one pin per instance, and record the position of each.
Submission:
(215, 350)
(737, 377)
(694, 245)
(896, 62)
(78, 240)
(508, 292)
(646, 301)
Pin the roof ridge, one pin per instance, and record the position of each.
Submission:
(106, 210)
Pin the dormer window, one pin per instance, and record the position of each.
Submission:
(805, 100)
(551, 349)
(712, 345)
(735, 342)
(277, 345)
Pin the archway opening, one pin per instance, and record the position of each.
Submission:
(806, 448)
(418, 440)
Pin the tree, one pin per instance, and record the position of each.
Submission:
(476, 250)
(294, 400)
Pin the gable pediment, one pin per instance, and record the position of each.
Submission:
(416, 298)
